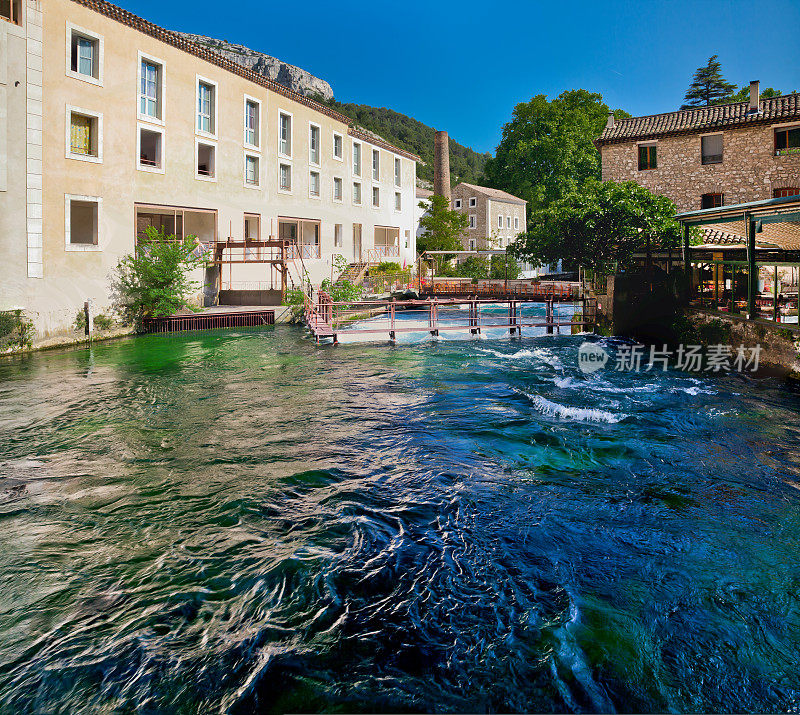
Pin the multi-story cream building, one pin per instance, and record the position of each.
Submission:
(496, 218)
(709, 156)
(110, 124)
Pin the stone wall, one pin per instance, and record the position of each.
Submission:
(749, 171)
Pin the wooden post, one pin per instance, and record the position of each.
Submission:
(752, 271)
(549, 315)
(391, 320)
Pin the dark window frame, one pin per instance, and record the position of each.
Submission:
(782, 138)
(706, 159)
(648, 156)
(712, 201)
(14, 13)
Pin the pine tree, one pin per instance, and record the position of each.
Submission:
(708, 86)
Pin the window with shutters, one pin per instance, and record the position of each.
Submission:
(647, 157)
(285, 178)
(356, 159)
(337, 188)
(252, 174)
(376, 196)
(338, 147)
(357, 193)
(376, 165)
(313, 184)
(397, 172)
(711, 149)
(398, 201)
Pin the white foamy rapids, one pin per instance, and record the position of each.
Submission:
(574, 414)
(540, 354)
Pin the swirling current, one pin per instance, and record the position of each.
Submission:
(241, 521)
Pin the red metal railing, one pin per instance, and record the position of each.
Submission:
(510, 289)
(209, 321)
(328, 319)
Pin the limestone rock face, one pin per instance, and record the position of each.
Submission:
(272, 68)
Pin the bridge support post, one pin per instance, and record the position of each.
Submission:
(549, 315)
(512, 317)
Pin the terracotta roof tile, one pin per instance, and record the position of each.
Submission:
(687, 121)
(494, 193)
(209, 55)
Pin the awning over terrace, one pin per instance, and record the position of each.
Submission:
(748, 259)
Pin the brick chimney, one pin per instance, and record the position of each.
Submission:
(755, 96)
(441, 164)
(610, 121)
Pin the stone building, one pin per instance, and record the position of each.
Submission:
(709, 156)
(496, 218)
(110, 124)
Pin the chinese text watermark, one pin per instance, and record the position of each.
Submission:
(691, 358)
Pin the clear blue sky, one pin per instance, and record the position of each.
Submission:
(463, 66)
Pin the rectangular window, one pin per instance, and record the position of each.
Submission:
(313, 183)
(82, 133)
(205, 107)
(252, 120)
(83, 216)
(285, 177)
(338, 146)
(647, 156)
(251, 170)
(711, 149)
(356, 159)
(788, 138)
(473, 244)
(711, 201)
(150, 89)
(337, 188)
(397, 170)
(206, 158)
(473, 202)
(252, 227)
(376, 165)
(313, 144)
(285, 134)
(376, 196)
(516, 222)
(83, 138)
(150, 148)
(457, 203)
(785, 191)
(500, 221)
(398, 201)
(473, 221)
(357, 193)
(11, 10)
(337, 235)
(508, 221)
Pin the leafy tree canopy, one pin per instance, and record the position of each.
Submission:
(412, 135)
(599, 222)
(546, 151)
(442, 228)
(708, 86)
(154, 280)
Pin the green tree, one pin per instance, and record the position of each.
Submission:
(708, 86)
(743, 95)
(154, 280)
(603, 221)
(504, 267)
(547, 149)
(442, 228)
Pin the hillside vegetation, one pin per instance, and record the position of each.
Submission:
(414, 136)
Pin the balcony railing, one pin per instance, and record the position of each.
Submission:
(302, 250)
(374, 255)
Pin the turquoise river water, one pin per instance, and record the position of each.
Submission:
(241, 521)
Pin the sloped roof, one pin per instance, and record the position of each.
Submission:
(209, 55)
(495, 194)
(687, 121)
(424, 193)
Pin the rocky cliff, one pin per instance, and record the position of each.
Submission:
(288, 75)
